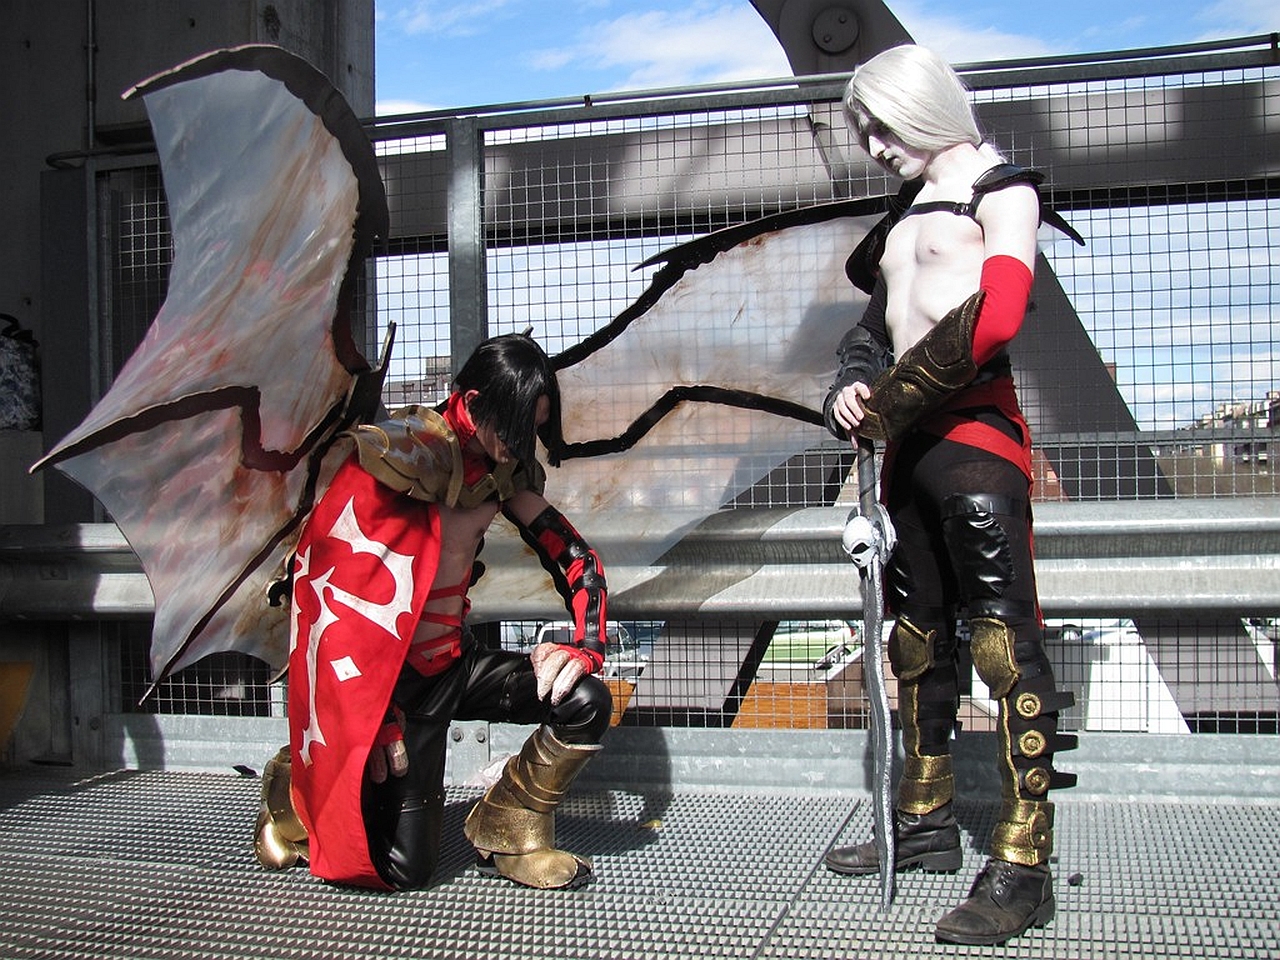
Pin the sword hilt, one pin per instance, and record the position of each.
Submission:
(868, 532)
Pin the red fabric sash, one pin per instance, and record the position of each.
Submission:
(998, 393)
(949, 425)
(366, 559)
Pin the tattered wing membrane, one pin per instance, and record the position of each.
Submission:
(205, 445)
(198, 519)
(743, 324)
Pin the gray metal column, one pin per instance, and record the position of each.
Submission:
(468, 285)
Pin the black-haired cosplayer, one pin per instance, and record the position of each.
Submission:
(382, 662)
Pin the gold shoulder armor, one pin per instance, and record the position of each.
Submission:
(506, 480)
(415, 452)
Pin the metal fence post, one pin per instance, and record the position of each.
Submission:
(468, 287)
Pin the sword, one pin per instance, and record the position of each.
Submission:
(868, 539)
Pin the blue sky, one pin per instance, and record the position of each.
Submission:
(453, 53)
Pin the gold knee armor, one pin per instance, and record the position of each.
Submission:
(514, 822)
(991, 644)
(910, 650)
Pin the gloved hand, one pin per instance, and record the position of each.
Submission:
(389, 754)
(558, 667)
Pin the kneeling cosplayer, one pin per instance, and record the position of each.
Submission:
(382, 662)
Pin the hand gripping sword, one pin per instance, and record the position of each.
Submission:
(868, 539)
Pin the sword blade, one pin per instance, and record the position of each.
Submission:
(881, 740)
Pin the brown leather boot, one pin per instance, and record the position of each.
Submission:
(1006, 899)
(280, 839)
(930, 841)
(513, 824)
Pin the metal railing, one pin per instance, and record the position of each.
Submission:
(1147, 371)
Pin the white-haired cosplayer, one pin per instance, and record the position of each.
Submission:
(949, 272)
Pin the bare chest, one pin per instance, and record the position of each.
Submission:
(460, 535)
(933, 242)
(931, 262)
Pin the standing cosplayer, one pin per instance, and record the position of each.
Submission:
(381, 662)
(949, 274)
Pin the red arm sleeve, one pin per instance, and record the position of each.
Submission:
(1007, 283)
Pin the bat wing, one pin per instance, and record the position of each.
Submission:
(205, 450)
(709, 382)
(712, 379)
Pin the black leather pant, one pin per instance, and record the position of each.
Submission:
(952, 555)
(403, 815)
(963, 520)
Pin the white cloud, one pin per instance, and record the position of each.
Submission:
(702, 43)
(957, 40)
(445, 18)
(391, 107)
(1236, 18)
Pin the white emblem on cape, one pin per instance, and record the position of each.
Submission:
(384, 615)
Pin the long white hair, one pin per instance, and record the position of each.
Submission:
(916, 95)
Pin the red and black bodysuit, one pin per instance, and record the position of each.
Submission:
(957, 487)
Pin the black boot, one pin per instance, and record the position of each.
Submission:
(1005, 900)
(930, 841)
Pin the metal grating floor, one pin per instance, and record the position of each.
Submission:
(159, 865)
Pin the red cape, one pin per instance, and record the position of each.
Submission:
(366, 559)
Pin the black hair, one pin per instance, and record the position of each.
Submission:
(510, 372)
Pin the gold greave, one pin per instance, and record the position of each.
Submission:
(515, 820)
(927, 781)
(1024, 833)
(280, 839)
(927, 784)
